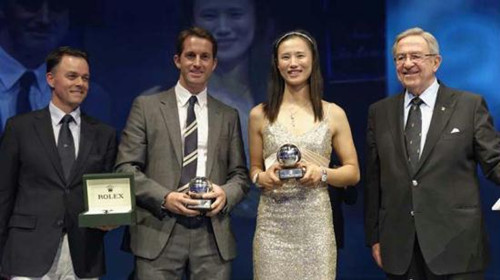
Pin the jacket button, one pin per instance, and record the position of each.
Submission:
(60, 223)
(414, 183)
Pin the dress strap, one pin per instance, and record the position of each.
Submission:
(328, 111)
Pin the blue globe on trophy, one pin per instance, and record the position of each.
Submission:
(288, 156)
(197, 187)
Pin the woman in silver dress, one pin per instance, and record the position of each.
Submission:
(294, 238)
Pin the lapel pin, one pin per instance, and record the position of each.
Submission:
(443, 108)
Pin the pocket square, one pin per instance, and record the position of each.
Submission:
(455, 130)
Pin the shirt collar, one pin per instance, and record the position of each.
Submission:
(57, 114)
(428, 96)
(12, 70)
(183, 96)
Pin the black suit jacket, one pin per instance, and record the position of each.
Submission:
(339, 196)
(440, 203)
(36, 202)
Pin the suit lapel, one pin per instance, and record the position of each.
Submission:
(87, 139)
(215, 120)
(44, 130)
(170, 113)
(395, 121)
(443, 109)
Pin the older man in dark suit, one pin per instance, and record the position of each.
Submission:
(423, 213)
(171, 137)
(43, 155)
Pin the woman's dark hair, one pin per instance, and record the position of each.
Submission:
(276, 85)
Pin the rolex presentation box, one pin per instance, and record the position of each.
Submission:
(109, 200)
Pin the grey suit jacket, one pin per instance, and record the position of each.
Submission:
(440, 203)
(36, 201)
(151, 148)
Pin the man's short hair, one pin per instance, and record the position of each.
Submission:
(195, 31)
(55, 56)
(417, 31)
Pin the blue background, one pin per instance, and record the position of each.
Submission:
(131, 44)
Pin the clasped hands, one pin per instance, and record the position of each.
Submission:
(177, 202)
(269, 180)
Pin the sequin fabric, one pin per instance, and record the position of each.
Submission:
(294, 238)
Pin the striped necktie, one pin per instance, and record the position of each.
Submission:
(190, 159)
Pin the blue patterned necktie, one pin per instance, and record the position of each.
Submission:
(66, 145)
(413, 133)
(190, 159)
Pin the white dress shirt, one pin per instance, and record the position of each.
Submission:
(201, 112)
(427, 107)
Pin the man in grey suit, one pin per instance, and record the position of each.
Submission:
(170, 239)
(423, 216)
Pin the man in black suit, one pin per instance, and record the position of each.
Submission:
(423, 216)
(43, 155)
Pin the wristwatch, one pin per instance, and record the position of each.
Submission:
(324, 175)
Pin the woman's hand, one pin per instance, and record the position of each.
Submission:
(268, 180)
(312, 177)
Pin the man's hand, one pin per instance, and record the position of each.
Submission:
(107, 228)
(176, 202)
(376, 254)
(219, 195)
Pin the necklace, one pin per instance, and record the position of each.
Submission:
(294, 109)
(292, 117)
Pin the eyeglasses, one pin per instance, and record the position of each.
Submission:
(34, 6)
(414, 57)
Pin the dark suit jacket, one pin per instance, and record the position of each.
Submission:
(339, 196)
(36, 202)
(440, 203)
(151, 147)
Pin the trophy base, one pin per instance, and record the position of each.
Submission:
(292, 173)
(204, 204)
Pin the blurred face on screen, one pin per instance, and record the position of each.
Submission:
(37, 25)
(196, 63)
(415, 66)
(232, 22)
(295, 61)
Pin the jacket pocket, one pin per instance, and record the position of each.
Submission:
(22, 221)
(453, 136)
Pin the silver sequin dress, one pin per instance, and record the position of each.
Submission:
(294, 238)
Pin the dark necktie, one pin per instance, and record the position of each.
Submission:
(23, 97)
(413, 132)
(66, 145)
(190, 159)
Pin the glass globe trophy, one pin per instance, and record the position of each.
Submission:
(197, 187)
(288, 156)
